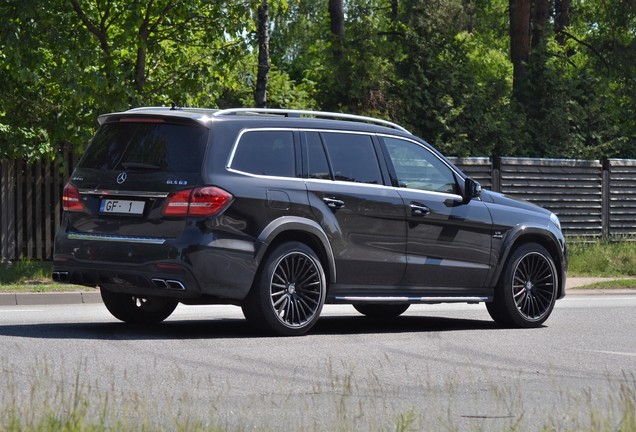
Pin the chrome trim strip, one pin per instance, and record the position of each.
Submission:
(140, 194)
(354, 299)
(107, 238)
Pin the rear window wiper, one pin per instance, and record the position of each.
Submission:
(140, 166)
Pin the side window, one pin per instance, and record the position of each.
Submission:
(353, 158)
(265, 153)
(317, 165)
(418, 168)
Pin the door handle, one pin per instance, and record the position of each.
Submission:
(334, 203)
(418, 209)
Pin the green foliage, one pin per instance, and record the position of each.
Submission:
(453, 88)
(602, 259)
(65, 65)
(439, 67)
(25, 271)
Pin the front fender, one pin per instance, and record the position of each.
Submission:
(552, 240)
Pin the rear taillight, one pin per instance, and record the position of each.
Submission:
(199, 202)
(71, 200)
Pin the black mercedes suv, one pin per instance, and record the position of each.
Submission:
(282, 211)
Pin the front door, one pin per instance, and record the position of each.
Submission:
(448, 242)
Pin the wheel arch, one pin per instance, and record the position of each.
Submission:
(554, 244)
(307, 231)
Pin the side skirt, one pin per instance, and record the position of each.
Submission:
(398, 294)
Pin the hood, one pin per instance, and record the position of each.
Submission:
(501, 199)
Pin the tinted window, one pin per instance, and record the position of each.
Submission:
(353, 158)
(418, 168)
(317, 165)
(147, 146)
(265, 153)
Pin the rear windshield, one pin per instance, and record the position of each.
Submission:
(147, 146)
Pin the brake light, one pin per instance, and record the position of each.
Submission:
(177, 203)
(198, 202)
(141, 120)
(71, 200)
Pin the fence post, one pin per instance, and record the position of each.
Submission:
(496, 174)
(605, 200)
(4, 231)
(7, 209)
(20, 203)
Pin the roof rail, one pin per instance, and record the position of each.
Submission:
(298, 113)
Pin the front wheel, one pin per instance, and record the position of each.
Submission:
(527, 290)
(289, 291)
(136, 309)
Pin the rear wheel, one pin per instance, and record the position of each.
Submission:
(527, 290)
(289, 292)
(377, 310)
(136, 309)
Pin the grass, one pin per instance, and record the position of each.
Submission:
(31, 276)
(612, 284)
(588, 259)
(47, 399)
(602, 259)
(25, 272)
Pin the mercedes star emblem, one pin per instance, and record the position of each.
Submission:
(122, 177)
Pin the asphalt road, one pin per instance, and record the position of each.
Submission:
(441, 367)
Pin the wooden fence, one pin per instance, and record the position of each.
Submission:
(31, 206)
(593, 199)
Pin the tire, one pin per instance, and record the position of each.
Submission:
(527, 289)
(381, 310)
(138, 310)
(289, 291)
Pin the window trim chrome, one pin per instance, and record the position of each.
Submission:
(228, 165)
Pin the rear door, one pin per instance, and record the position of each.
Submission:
(128, 171)
(363, 218)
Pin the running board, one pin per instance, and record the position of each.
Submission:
(360, 299)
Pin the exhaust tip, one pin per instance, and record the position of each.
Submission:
(60, 276)
(175, 284)
(168, 284)
(159, 283)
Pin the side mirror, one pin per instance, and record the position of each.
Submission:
(472, 189)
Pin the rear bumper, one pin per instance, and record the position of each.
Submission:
(180, 268)
(164, 279)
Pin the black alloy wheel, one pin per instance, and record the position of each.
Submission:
(290, 291)
(527, 290)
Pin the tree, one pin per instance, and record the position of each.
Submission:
(520, 46)
(499, 77)
(260, 94)
(561, 19)
(68, 62)
(336, 18)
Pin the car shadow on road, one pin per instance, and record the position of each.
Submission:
(230, 328)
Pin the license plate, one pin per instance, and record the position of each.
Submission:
(122, 207)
